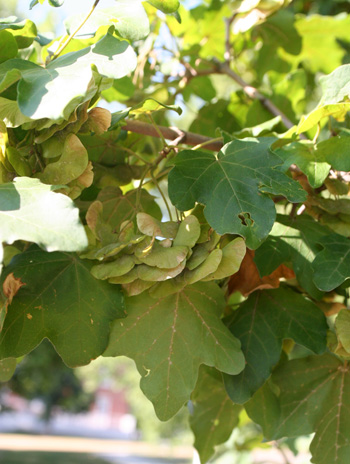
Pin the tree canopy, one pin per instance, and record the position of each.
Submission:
(174, 188)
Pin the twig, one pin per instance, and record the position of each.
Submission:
(156, 183)
(159, 132)
(254, 94)
(170, 133)
(204, 144)
(228, 54)
(64, 45)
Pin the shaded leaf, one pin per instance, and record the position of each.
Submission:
(60, 301)
(332, 265)
(112, 209)
(165, 258)
(72, 163)
(170, 337)
(342, 326)
(214, 415)
(25, 215)
(118, 267)
(234, 187)
(296, 241)
(150, 226)
(313, 396)
(7, 368)
(261, 324)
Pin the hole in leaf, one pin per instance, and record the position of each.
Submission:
(246, 219)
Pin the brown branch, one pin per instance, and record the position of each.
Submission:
(228, 54)
(253, 93)
(170, 133)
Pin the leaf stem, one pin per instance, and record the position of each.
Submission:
(132, 153)
(138, 193)
(208, 142)
(163, 197)
(318, 131)
(66, 42)
(160, 134)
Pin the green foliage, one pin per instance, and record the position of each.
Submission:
(281, 314)
(61, 301)
(313, 397)
(238, 180)
(118, 238)
(214, 415)
(169, 338)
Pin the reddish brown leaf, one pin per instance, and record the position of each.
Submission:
(247, 279)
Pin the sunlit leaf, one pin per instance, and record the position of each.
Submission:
(127, 16)
(30, 210)
(311, 161)
(69, 76)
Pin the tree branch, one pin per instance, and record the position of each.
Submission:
(172, 133)
(253, 93)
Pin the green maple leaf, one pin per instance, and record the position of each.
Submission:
(30, 210)
(313, 396)
(332, 265)
(170, 337)
(7, 368)
(292, 240)
(311, 161)
(261, 324)
(234, 187)
(335, 89)
(128, 16)
(60, 301)
(70, 77)
(214, 415)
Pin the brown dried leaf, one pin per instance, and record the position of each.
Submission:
(247, 279)
(10, 287)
